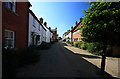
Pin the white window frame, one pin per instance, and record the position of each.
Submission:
(13, 43)
(11, 2)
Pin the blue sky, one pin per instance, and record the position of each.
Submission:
(62, 15)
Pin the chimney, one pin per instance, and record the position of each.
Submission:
(80, 20)
(45, 24)
(41, 20)
(71, 27)
(76, 23)
(49, 28)
(56, 28)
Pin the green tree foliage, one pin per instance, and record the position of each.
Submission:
(68, 38)
(59, 38)
(102, 23)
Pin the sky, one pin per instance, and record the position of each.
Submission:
(62, 15)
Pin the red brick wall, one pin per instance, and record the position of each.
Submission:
(77, 35)
(53, 36)
(16, 22)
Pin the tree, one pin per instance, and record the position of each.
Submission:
(102, 24)
(59, 38)
(68, 38)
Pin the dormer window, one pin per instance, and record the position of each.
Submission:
(11, 5)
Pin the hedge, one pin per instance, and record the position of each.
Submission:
(95, 48)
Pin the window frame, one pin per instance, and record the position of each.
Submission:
(9, 38)
(11, 5)
(34, 22)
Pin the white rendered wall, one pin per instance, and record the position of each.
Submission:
(69, 35)
(34, 29)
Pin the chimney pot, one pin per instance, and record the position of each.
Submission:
(41, 20)
(49, 28)
(76, 23)
(45, 23)
(80, 19)
(71, 27)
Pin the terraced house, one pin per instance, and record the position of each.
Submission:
(21, 28)
(75, 33)
(36, 30)
(15, 24)
(48, 33)
(54, 34)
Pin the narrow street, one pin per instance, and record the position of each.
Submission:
(59, 62)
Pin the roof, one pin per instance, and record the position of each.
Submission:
(77, 25)
(68, 32)
(43, 27)
(74, 29)
(30, 11)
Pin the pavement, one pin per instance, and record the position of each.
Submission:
(112, 63)
(61, 60)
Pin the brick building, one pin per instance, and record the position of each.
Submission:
(54, 34)
(15, 25)
(76, 33)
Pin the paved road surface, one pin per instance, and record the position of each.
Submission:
(59, 62)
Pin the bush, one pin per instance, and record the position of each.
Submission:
(68, 42)
(72, 44)
(83, 45)
(9, 63)
(28, 56)
(76, 43)
(95, 48)
(80, 44)
(91, 47)
(43, 45)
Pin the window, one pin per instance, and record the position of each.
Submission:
(9, 39)
(11, 5)
(75, 39)
(79, 39)
(34, 22)
(39, 27)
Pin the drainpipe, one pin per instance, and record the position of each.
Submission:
(27, 25)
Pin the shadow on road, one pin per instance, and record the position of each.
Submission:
(87, 56)
(64, 44)
(105, 75)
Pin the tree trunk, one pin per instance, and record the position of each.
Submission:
(103, 60)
